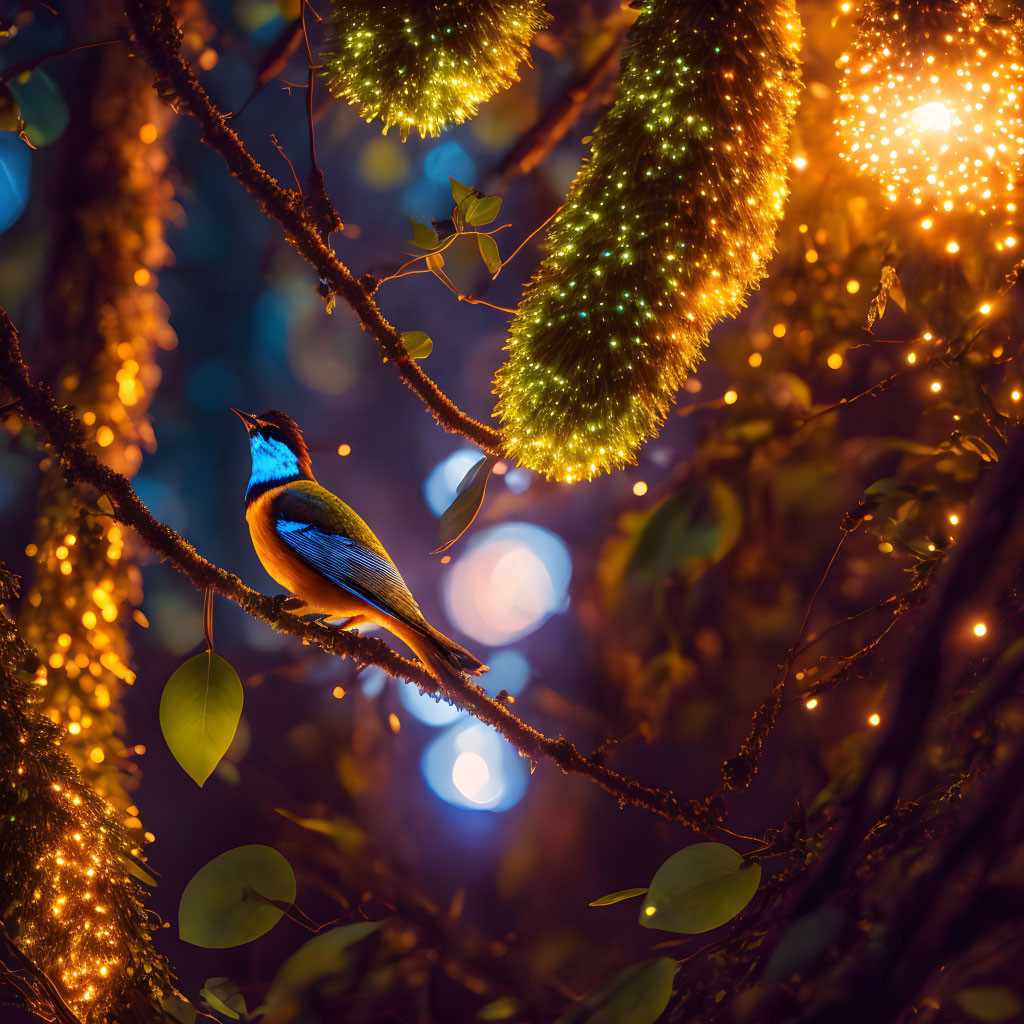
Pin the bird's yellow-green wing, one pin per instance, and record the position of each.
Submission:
(322, 530)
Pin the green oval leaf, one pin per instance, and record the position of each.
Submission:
(179, 1010)
(199, 712)
(617, 897)
(42, 107)
(225, 997)
(638, 994)
(459, 515)
(499, 1009)
(686, 532)
(699, 888)
(990, 1004)
(225, 902)
(418, 344)
(134, 868)
(460, 191)
(323, 956)
(423, 236)
(489, 253)
(483, 211)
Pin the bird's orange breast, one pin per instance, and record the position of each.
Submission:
(318, 592)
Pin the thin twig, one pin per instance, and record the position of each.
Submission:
(159, 39)
(208, 619)
(739, 770)
(8, 74)
(309, 93)
(505, 262)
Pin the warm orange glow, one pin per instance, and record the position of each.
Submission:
(936, 120)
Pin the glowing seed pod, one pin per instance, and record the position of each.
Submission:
(425, 64)
(930, 105)
(664, 229)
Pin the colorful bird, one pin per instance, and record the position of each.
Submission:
(311, 542)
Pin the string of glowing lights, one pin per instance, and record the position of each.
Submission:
(110, 322)
(930, 106)
(65, 886)
(425, 65)
(665, 228)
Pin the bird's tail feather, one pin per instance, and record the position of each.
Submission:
(447, 655)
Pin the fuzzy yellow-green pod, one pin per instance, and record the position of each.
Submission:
(424, 64)
(664, 230)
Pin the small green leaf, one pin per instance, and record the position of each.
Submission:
(886, 485)
(499, 1009)
(199, 712)
(483, 211)
(489, 253)
(699, 888)
(989, 1004)
(134, 868)
(347, 837)
(42, 107)
(323, 956)
(459, 515)
(177, 1009)
(617, 897)
(638, 994)
(888, 287)
(978, 445)
(686, 532)
(460, 191)
(225, 997)
(423, 236)
(418, 344)
(225, 902)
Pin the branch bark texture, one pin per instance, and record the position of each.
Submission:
(159, 41)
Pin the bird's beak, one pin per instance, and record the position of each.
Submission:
(251, 423)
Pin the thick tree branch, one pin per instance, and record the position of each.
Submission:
(558, 119)
(159, 38)
(64, 434)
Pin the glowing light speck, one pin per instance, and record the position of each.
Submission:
(931, 117)
(470, 774)
(471, 766)
(509, 581)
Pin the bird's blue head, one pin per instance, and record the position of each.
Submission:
(279, 452)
